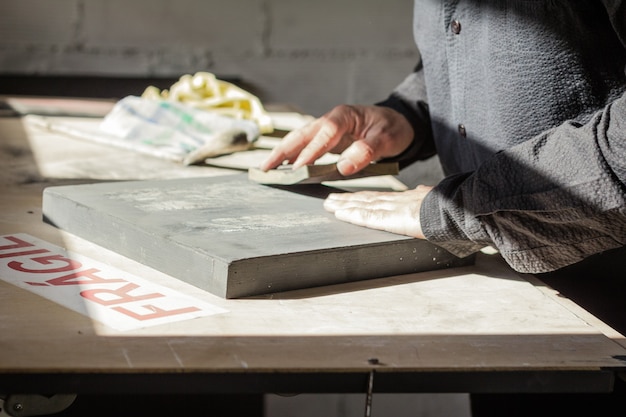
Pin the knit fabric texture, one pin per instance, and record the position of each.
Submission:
(524, 102)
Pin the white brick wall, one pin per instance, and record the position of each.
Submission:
(314, 54)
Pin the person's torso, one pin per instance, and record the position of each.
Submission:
(499, 72)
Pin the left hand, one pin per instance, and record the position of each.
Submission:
(395, 212)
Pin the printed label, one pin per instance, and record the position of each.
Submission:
(104, 293)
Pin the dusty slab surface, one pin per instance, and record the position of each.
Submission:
(233, 237)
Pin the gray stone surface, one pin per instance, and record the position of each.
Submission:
(233, 237)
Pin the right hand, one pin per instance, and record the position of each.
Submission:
(361, 134)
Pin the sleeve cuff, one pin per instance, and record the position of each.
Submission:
(445, 223)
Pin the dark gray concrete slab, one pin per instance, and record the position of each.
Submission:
(234, 237)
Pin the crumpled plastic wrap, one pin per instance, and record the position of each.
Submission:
(175, 131)
(199, 117)
(204, 91)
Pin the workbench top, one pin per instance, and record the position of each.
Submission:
(480, 328)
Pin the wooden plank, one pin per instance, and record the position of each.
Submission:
(316, 174)
(234, 237)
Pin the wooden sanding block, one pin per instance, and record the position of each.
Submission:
(315, 174)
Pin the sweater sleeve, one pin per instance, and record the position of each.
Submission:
(545, 203)
(410, 100)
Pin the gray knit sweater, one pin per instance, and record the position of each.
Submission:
(524, 102)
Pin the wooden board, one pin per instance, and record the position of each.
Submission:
(316, 174)
(234, 237)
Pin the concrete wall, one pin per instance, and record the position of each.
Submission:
(314, 54)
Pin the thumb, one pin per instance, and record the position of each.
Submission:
(356, 157)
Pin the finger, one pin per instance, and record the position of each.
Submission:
(416, 194)
(336, 205)
(375, 200)
(357, 156)
(393, 221)
(372, 196)
(290, 146)
(336, 201)
(386, 220)
(373, 219)
(359, 195)
(326, 138)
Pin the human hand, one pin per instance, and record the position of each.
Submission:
(362, 134)
(395, 212)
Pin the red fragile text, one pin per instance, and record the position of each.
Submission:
(42, 267)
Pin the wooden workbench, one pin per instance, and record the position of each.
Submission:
(482, 328)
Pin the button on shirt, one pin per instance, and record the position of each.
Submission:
(524, 104)
(462, 130)
(456, 27)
